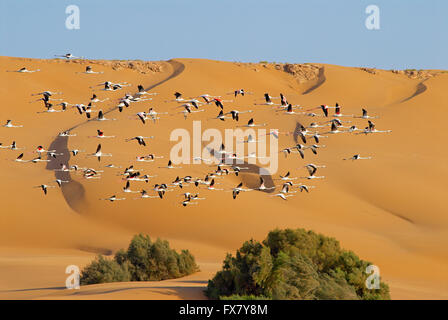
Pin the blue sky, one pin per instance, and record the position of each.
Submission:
(412, 34)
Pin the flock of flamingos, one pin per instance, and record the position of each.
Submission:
(334, 122)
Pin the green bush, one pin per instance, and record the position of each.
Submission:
(142, 261)
(103, 270)
(293, 264)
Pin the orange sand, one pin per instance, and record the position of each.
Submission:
(389, 210)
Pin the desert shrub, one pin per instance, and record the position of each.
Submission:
(104, 270)
(144, 260)
(293, 264)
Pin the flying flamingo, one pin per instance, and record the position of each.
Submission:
(140, 140)
(99, 153)
(89, 70)
(262, 187)
(251, 124)
(101, 117)
(284, 193)
(365, 115)
(10, 125)
(113, 198)
(312, 170)
(12, 146)
(357, 157)
(44, 188)
(100, 135)
(24, 70)
(68, 56)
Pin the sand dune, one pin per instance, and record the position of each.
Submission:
(388, 210)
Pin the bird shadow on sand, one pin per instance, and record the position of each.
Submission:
(73, 191)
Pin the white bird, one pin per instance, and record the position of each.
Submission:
(334, 129)
(127, 188)
(365, 115)
(324, 109)
(66, 134)
(211, 186)
(64, 168)
(208, 98)
(140, 140)
(314, 125)
(239, 188)
(20, 158)
(153, 114)
(371, 129)
(10, 125)
(262, 186)
(24, 70)
(46, 93)
(235, 114)
(60, 182)
(188, 111)
(317, 137)
(284, 193)
(337, 112)
(312, 165)
(250, 139)
(68, 56)
(251, 124)
(101, 116)
(287, 177)
(221, 116)
(100, 135)
(112, 166)
(99, 153)
(54, 154)
(12, 146)
(142, 91)
(353, 129)
(314, 147)
(89, 70)
(113, 198)
(304, 187)
(148, 158)
(44, 188)
(312, 170)
(41, 150)
(357, 157)
(110, 86)
(145, 195)
(74, 152)
(95, 99)
(188, 202)
(50, 109)
(170, 166)
(289, 110)
(39, 159)
(268, 99)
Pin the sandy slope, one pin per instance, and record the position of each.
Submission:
(389, 210)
